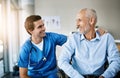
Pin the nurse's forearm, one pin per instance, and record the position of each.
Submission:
(24, 76)
(23, 72)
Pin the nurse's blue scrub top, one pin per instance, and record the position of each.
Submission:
(32, 57)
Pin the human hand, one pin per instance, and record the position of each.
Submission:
(101, 31)
(101, 76)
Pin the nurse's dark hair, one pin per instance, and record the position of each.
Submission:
(29, 22)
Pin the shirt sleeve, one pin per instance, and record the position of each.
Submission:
(23, 58)
(113, 59)
(59, 39)
(64, 59)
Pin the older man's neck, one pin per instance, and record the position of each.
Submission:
(90, 35)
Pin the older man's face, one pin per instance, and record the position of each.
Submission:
(82, 23)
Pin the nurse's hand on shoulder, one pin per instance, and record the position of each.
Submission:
(101, 31)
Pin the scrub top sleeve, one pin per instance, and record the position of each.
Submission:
(61, 39)
(23, 58)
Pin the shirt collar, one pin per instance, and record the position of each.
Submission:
(82, 37)
(96, 38)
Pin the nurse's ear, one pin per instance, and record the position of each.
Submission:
(30, 32)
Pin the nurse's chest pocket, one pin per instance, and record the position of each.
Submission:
(34, 58)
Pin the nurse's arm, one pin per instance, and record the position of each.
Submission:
(23, 72)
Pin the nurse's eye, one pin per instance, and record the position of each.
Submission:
(40, 26)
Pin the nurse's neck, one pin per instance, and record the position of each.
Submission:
(36, 40)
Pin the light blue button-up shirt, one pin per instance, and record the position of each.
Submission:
(89, 57)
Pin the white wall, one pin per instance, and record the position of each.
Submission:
(14, 33)
(107, 10)
(27, 8)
